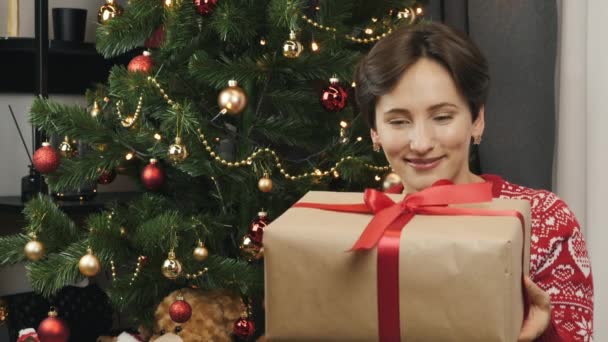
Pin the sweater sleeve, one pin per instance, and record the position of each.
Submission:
(560, 265)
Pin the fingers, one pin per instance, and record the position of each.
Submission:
(536, 295)
(539, 314)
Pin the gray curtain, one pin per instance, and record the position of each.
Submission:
(519, 39)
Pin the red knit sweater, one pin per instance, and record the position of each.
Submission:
(559, 263)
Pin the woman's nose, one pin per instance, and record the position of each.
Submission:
(421, 140)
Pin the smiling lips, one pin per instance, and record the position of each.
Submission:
(423, 164)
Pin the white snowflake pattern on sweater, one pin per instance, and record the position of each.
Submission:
(559, 262)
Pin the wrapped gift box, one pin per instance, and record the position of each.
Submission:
(460, 277)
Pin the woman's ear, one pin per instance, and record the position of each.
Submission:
(479, 123)
(375, 137)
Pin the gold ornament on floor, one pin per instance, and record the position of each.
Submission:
(265, 183)
(108, 11)
(89, 265)
(177, 151)
(200, 253)
(292, 48)
(232, 99)
(171, 268)
(250, 250)
(390, 181)
(96, 110)
(3, 311)
(34, 250)
(65, 148)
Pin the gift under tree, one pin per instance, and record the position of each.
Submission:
(229, 112)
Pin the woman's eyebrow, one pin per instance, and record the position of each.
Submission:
(441, 105)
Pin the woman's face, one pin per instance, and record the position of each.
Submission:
(425, 126)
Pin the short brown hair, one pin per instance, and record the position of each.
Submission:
(380, 70)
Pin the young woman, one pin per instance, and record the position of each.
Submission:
(423, 91)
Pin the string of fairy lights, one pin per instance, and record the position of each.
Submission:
(268, 151)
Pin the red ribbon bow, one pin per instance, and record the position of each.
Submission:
(384, 231)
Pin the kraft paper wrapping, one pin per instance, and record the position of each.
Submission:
(460, 276)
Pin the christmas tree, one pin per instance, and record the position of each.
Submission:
(234, 111)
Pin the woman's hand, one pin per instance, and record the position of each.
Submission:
(539, 314)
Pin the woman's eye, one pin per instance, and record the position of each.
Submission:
(443, 118)
(398, 122)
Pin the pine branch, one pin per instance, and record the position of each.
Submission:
(49, 223)
(11, 249)
(129, 30)
(155, 231)
(53, 273)
(236, 22)
(75, 172)
(70, 120)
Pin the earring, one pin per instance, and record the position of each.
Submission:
(477, 140)
(376, 147)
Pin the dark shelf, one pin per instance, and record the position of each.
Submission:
(72, 67)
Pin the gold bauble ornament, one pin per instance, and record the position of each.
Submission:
(34, 250)
(177, 151)
(89, 265)
(250, 250)
(171, 268)
(65, 148)
(292, 48)
(232, 99)
(200, 253)
(391, 180)
(96, 110)
(265, 184)
(123, 231)
(108, 11)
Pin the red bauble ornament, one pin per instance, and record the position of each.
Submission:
(256, 229)
(53, 329)
(142, 63)
(205, 7)
(46, 159)
(153, 176)
(244, 328)
(106, 177)
(334, 97)
(156, 39)
(180, 311)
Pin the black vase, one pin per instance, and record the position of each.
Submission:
(69, 24)
(32, 185)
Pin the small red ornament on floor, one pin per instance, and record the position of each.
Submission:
(46, 159)
(142, 63)
(244, 328)
(334, 97)
(156, 39)
(153, 176)
(205, 7)
(256, 229)
(107, 177)
(180, 311)
(53, 329)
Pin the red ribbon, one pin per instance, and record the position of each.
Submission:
(384, 231)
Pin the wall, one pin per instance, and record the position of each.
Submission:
(597, 159)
